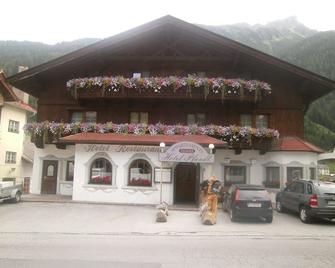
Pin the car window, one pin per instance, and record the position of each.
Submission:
(309, 188)
(254, 194)
(299, 188)
(291, 187)
(327, 189)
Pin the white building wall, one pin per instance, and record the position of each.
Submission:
(119, 192)
(50, 152)
(12, 142)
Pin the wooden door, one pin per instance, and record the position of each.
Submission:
(185, 183)
(49, 177)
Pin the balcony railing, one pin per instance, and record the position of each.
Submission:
(237, 137)
(172, 87)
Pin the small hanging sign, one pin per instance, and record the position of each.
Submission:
(186, 151)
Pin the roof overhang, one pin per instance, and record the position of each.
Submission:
(29, 80)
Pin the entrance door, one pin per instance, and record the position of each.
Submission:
(49, 177)
(185, 183)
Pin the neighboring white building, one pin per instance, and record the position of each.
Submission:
(16, 152)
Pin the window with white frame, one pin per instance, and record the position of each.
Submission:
(69, 170)
(13, 126)
(312, 173)
(140, 173)
(294, 173)
(235, 175)
(10, 158)
(272, 177)
(101, 172)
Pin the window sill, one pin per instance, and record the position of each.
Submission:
(99, 186)
(140, 188)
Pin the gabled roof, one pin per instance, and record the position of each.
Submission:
(10, 97)
(23, 79)
(5, 89)
(295, 144)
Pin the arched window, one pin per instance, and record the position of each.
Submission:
(140, 173)
(101, 172)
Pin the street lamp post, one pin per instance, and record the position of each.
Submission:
(211, 151)
(162, 146)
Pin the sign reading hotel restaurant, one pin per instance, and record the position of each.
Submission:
(186, 152)
(121, 148)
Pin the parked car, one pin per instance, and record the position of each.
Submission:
(248, 201)
(9, 191)
(311, 199)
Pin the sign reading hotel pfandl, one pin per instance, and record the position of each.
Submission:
(186, 152)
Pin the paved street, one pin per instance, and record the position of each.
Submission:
(84, 235)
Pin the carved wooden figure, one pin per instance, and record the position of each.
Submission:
(210, 201)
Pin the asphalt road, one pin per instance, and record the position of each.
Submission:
(85, 235)
(55, 250)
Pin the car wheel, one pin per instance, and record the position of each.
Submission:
(232, 215)
(269, 219)
(303, 215)
(17, 198)
(279, 207)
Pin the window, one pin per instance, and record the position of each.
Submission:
(13, 126)
(10, 158)
(294, 173)
(246, 120)
(272, 179)
(196, 118)
(139, 117)
(309, 188)
(312, 173)
(299, 188)
(101, 172)
(261, 121)
(69, 170)
(234, 175)
(140, 173)
(86, 116)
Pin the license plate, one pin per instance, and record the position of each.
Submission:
(332, 203)
(254, 205)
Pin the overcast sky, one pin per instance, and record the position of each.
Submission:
(65, 20)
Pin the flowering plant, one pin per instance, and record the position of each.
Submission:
(231, 134)
(157, 84)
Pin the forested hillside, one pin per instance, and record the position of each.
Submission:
(287, 39)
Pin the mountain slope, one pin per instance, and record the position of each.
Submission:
(16, 53)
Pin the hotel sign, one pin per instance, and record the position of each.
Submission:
(186, 152)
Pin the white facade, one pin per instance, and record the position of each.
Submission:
(12, 142)
(119, 192)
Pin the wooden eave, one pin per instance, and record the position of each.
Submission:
(29, 79)
(6, 89)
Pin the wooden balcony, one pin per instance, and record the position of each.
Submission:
(184, 93)
(237, 138)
